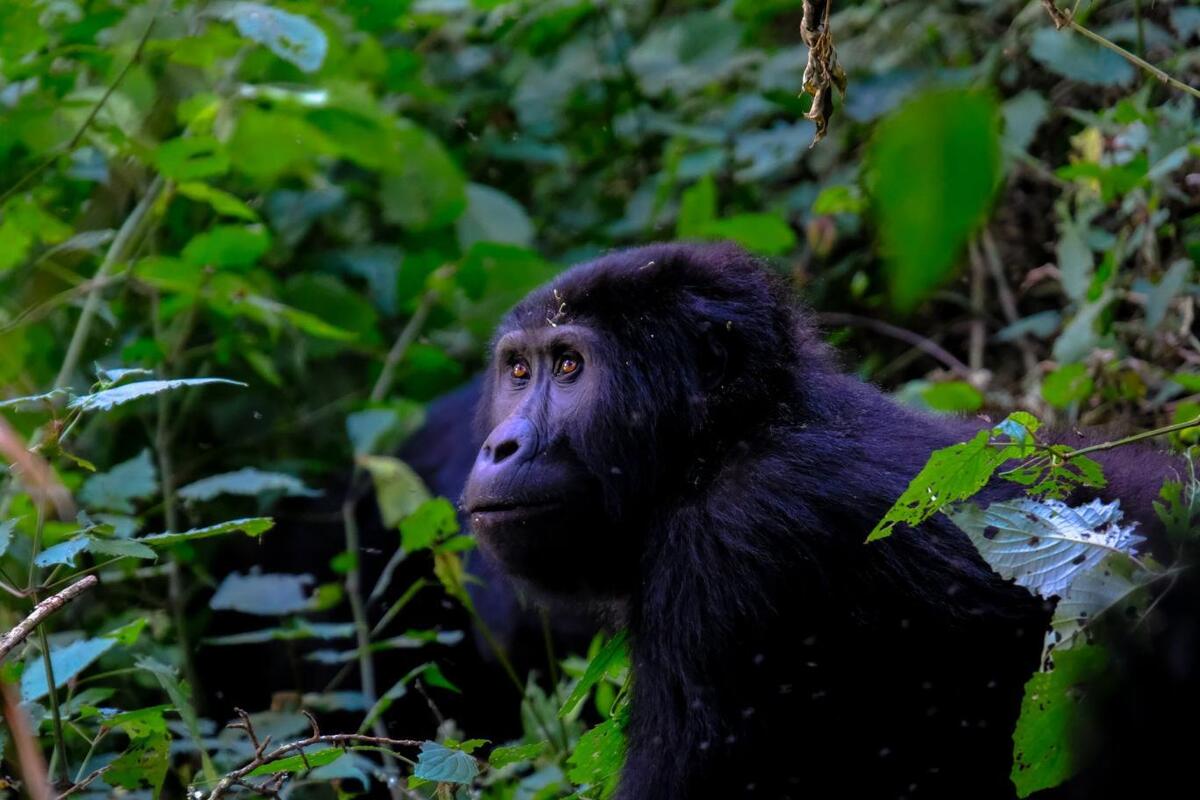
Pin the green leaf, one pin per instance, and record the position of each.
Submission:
(1023, 115)
(144, 762)
(426, 189)
(1067, 385)
(503, 756)
(1075, 261)
(65, 553)
(191, 158)
(264, 594)
(268, 144)
(233, 246)
(67, 662)
(109, 399)
(398, 489)
(251, 526)
(430, 522)
(933, 168)
(1074, 57)
(442, 764)
(298, 763)
(1159, 298)
(1044, 545)
(697, 208)
(957, 472)
(180, 695)
(247, 482)
(762, 233)
(614, 656)
(1115, 584)
(222, 202)
(1042, 756)
(493, 216)
(7, 528)
(115, 490)
(953, 397)
(600, 754)
(1079, 337)
(839, 200)
(290, 36)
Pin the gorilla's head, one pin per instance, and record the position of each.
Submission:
(613, 393)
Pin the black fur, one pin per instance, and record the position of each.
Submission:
(735, 472)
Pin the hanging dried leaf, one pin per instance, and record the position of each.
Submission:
(822, 72)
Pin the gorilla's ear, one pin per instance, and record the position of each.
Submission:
(716, 357)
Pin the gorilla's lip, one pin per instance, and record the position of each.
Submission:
(512, 507)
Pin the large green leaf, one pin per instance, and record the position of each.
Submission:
(1042, 756)
(1074, 57)
(426, 189)
(614, 655)
(934, 166)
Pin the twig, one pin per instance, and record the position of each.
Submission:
(977, 337)
(1008, 303)
(79, 786)
(407, 336)
(264, 756)
(43, 610)
(116, 254)
(928, 347)
(1066, 19)
(1137, 437)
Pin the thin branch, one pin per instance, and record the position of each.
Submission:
(1066, 19)
(264, 756)
(407, 336)
(43, 610)
(116, 254)
(79, 786)
(927, 346)
(1137, 437)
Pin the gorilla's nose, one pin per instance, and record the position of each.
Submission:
(512, 438)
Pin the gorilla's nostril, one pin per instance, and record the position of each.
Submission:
(506, 449)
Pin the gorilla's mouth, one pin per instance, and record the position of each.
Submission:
(510, 510)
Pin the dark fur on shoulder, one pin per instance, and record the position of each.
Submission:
(775, 654)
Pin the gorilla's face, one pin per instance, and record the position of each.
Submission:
(533, 501)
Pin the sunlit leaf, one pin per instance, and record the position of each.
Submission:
(290, 36)
(66, 661)
(1045, 545)
(111, 398)
(251, 526)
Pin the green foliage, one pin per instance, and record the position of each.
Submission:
(934, 168)
(281, 194)
(955, 473)
(1049, 712)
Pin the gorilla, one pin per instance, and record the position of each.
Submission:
(667, 442)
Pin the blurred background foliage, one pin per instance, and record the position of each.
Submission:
(333, 204)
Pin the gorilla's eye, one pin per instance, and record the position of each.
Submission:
(568, 365)
(519, 370)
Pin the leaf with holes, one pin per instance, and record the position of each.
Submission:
(1045, 545)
